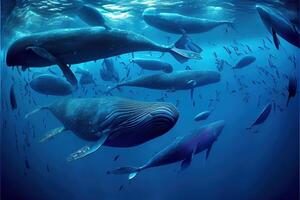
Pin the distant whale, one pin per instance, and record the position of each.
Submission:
(153, 64)
(244, 62)
(108, 71)
(111, 121)
(51, 85)
(182, 149)
(277, 23)
(72, 46)
(91, 16)
(178, 80)
(180, 24)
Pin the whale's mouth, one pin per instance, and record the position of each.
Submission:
(137, 122)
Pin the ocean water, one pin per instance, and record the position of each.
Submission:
(257, 164)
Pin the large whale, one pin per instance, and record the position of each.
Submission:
(178, 80)
(72, 46)
(180, 24)
(182, 149)
(279, 24)
(110, 121)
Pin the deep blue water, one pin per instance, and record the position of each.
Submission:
(258, 164)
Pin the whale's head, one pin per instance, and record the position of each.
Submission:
(20, 53)
(135, 122)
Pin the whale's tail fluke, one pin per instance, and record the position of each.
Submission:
(185, 49)
(132, 171)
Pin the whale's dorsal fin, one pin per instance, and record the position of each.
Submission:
(275, 38)
(50, 57)
(86, 150)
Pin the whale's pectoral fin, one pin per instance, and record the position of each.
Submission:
(208, 151)
(86, 150)
(186, 162)
(185, 49)
(186, 42)
(50, 57)
(49, 135)
(275, 38)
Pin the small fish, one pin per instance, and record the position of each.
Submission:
(292, 88)
(227, 50)
(263, 115)
(48, 169)
(121, 187)
(12, 97)
(188, 68)
(116, 157)
(202, 116)
(249, 49)
(27, 164)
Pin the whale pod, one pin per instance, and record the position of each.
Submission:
(110, 121)
(182, 149)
